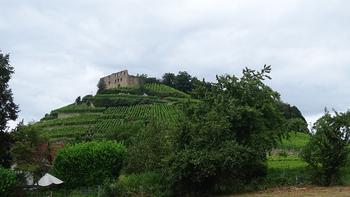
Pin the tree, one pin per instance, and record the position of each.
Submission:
(169, 79)
(225, 138)
(78, 100)
(183, 82)
(28, 151)
(292, 112)
(8, 109)
(152, 139)
(101, 86)
(327, 150)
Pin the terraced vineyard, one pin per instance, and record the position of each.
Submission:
(145, 112)
(164, 91)
(82, 108)
(111, 111)
(69, 127)
(108, 123)
(69, 131)
(81, 119)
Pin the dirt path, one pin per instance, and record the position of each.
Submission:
(301, 191)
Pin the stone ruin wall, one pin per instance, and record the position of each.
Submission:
(121, 79)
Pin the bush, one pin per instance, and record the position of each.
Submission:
(91, 163)
(144, 184)
(327, 150)
(7, 181)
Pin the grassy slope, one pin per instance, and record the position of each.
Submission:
(112, 109)
(290, 169)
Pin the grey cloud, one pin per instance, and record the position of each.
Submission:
(60, 48)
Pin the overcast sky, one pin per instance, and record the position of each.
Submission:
(60, 48)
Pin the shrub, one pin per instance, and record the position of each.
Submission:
(90, 163)
(144, 184)
(327, 149)
(7, 181)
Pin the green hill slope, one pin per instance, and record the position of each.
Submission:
(106, 111)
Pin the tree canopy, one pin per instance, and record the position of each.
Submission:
(225, 138)
(8, 109)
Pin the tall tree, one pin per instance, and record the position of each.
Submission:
(225, 138)
(169, 79)
(29, 151)
(183, 82)
(101, 86)
(8, 109)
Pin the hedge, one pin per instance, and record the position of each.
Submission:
(90, 163)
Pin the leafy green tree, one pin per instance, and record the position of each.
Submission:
(8, 109)
(152, 139)
(26, 152)
(225, 138)
(169, 79)
(183, 82)
(292, 112)
(327, 150)
(101, 86)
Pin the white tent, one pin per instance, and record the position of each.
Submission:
(48, 179)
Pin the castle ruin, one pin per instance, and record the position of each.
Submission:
(121, 79)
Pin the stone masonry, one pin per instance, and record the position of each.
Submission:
(121, 79)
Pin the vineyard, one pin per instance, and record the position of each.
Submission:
(69, 131)
(112, 111)
(82, 119)
(115, 117)
(164, 91)
(146, 112)
(81, 108)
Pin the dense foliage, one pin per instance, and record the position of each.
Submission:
(89, 163)
(225, 139)
(101, 85)
(152, 140)
(7, 181)
(293, 113)
(26, 152)
(8, 109)
(182, 81)
(328, 150)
